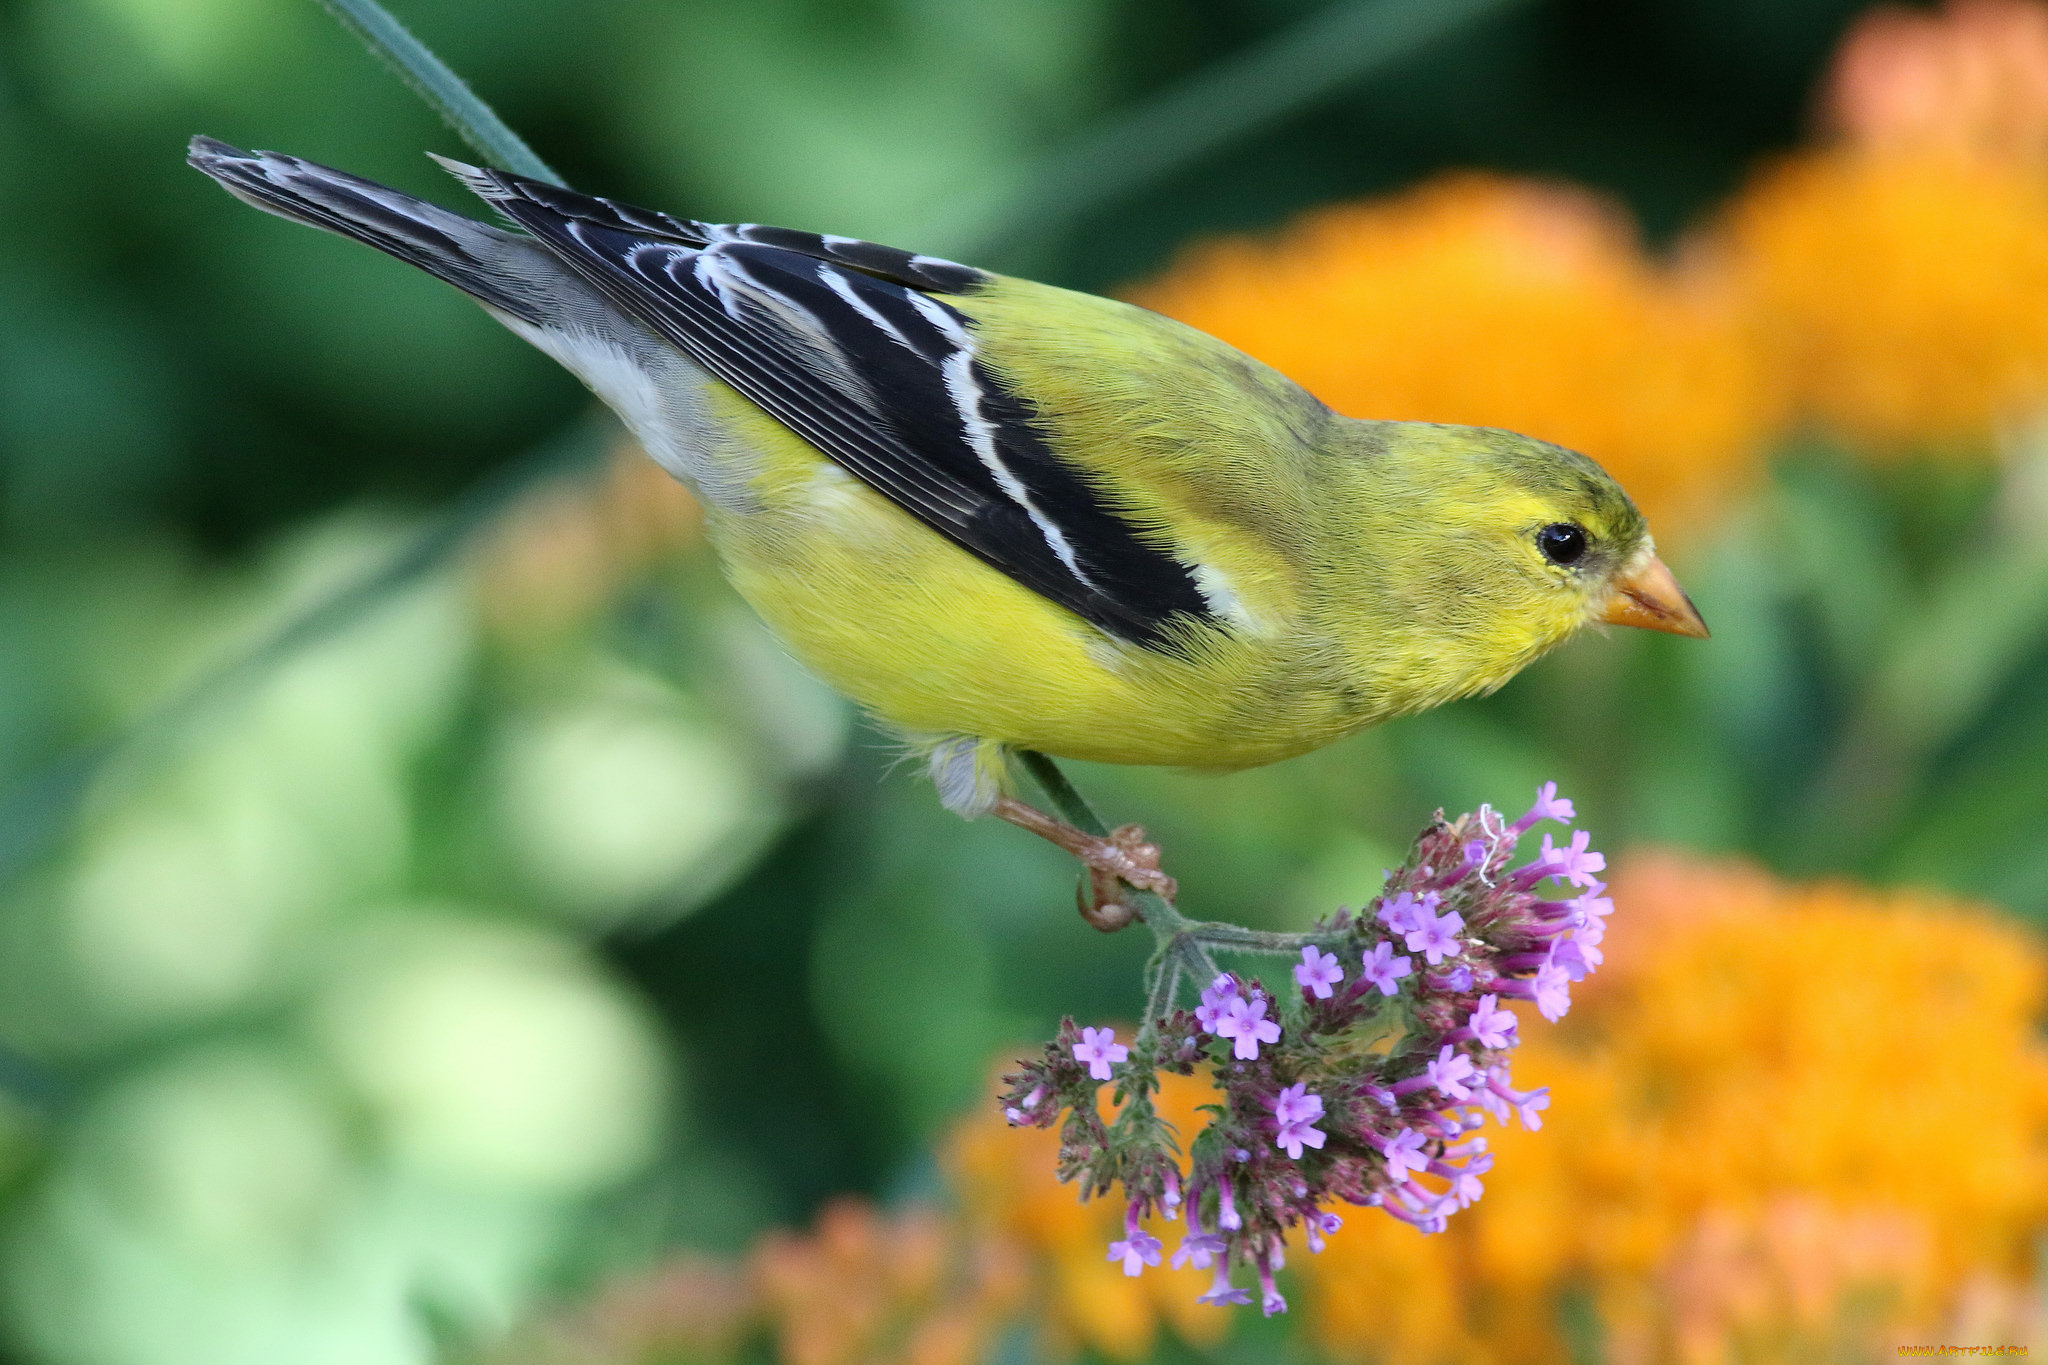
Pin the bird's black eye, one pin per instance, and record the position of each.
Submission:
(1562, 542)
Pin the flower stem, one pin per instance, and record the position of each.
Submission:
(1179, 948)
(1220, 935)
(433, 81)
(1182, 944)
(1072, 806)
(1165, 983)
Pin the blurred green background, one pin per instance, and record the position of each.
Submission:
(524, 915)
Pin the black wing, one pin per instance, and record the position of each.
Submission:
(844, 342)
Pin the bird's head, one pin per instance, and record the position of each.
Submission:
(1512, 545)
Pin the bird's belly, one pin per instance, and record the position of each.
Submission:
(935, 642)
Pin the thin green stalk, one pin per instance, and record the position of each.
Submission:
(1182, 944)
(445, 92)
(1071, 805)
(1217, 934)
(1180, 940)
(1165, 986)
(1216, 108)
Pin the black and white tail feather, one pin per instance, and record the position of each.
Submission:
(850, 344)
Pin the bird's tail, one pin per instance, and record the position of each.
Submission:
(472, 256)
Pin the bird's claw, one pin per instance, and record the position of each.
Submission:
(1103, 910)
(1125, 858)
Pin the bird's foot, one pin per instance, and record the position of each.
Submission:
(1125, 859)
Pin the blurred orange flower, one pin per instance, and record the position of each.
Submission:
(864, 1289)
(694, 1308)
(1969, 78)
(572, 543)
(861, 1288)
(1006, 1182)
(1897, 294)
(1497, 302)
(1891, 277)
(1790, 1123)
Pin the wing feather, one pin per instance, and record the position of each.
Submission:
(855, 347)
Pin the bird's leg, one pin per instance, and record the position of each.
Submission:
(1124, 858)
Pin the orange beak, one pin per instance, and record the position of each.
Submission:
(1648, 596)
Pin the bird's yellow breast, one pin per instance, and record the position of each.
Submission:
(937, 643)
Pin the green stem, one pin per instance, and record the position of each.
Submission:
(1214, 109)
(447, 93)
(1165, 985)
(1179, 939)
(1071, 805)
(1176, 936)
(1221, 935)
(1181, 944)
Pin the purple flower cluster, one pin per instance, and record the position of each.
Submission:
(1367, 1086)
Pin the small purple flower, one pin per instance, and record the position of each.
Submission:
(1529, 1105)
(1246, 1022)
(1404, 912)
(1136, 1252)
(1318, 972)
(1549, 806)
(1413, 1204)
(1169, 1198)
(1592, 905)
(1572, 959)
(1404, 1154)
(1318, 1226)
(1552, 991)
(1198, 1249)
(1222, 1293)
(1100, 1049)
(1296, 1112)
(1476, 854)
(1458, 980)
(1436, 936)
(1214, 1001)
(1385, 970)
(1491, 1098)
(1449, 1072)
(1270, 1301)
(1138, 1249)
(1575, 863)
(1492, 1026)
(1466, 1187)
(1226, 1207)
(1470, 1145)
(1021, 1114)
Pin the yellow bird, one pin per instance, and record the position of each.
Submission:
(1003, 516)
